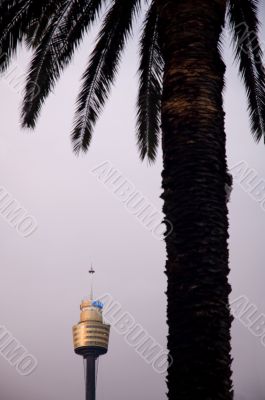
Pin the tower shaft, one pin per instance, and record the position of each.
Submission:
(90, 377)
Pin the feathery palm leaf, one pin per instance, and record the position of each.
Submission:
(102, 68)
(41, 21)
(40, 63)
(14, 17)
(242, 16)
(150, 90)
(56, 47)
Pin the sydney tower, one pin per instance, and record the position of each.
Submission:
(91, 339)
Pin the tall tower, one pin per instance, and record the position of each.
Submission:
(91, 339)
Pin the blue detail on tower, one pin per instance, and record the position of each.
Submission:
(98, 304)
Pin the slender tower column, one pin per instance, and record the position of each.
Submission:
(90, 377)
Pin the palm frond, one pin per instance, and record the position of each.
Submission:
(66, 29)
(102, 69)
(242, 17)
(150, 89)
(39, 65)
(42, 16)
(83, 14)
(13, 18)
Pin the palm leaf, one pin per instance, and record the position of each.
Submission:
(102, 69)
(242, 16)
(150, 89)
(14, 17)
(40, 21)
(69, 23)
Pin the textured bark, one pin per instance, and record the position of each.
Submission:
(194, 178)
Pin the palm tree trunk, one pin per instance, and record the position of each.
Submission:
(194, 177)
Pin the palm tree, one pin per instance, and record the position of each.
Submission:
(181, 83)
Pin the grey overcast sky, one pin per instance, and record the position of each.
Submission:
(44, 276)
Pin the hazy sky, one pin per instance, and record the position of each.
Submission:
(80, 221)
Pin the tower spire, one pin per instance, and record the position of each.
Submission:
(91, 272)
